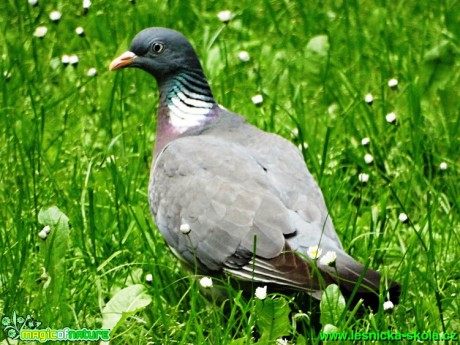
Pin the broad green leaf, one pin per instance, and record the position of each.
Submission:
(58, 239)
(53, 250)
(332, 329)
(300, 340)
(437, 70)
(316, 54)
(328, 328)
(332, 305)
(272, 319)
(239, 341)
(9, 342)
(124, 304)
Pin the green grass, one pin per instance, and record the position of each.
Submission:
(85, 143)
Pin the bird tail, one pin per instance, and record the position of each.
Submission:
(359, 282)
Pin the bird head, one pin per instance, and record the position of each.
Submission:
(161, 52)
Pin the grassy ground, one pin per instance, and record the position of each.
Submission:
(84, 144)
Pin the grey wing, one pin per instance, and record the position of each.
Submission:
(288, 176)
(222, 194)
(300, 193)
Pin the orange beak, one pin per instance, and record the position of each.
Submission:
(123, 60)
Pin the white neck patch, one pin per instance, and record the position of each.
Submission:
(185, 112)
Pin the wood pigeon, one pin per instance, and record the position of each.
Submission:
(231, 199)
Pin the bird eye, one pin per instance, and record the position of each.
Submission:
(157, 48)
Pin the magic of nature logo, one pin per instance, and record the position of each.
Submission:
(27, 329)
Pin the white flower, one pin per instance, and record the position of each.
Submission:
(332, 109)
(110, 159)
(206, 282)
(65, 59)
(91, 72)
(224, 16)
(261, 292)
(368, 158)
(40, 31)
(369, 98)
(281, 341)
(73, 59)
(244, 56)
(403, 217)
(365, 141)
(391, 117)
(185, 228)
(80, 31)
(443, 166)
(43, 234)
(47, 229)
(257, 99)
(86, 3)
(7, 75)
(363, 177)
(388, 305)
(33, 2)
(314, 252)
(55, 16)
(329, 258)
(393, 82)
(149, 278)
